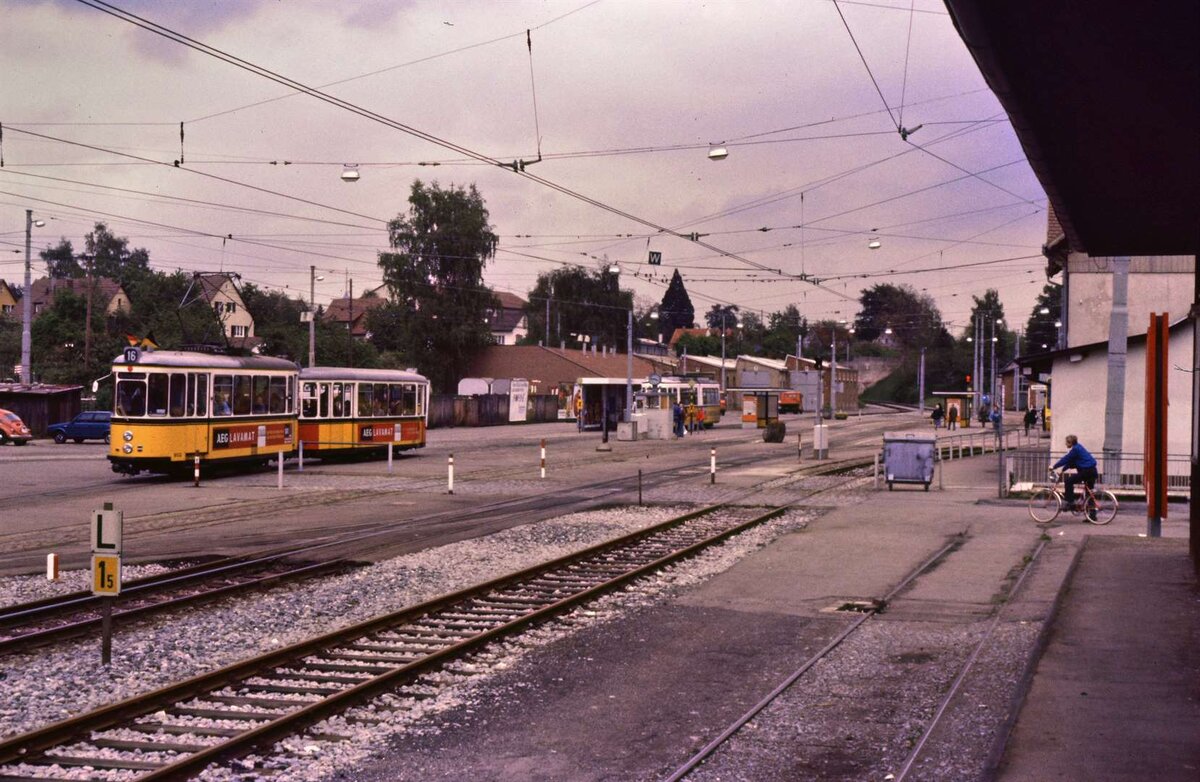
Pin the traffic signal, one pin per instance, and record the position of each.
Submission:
(820, 363)
(968, 380)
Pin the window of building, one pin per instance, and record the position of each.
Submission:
(238, 331)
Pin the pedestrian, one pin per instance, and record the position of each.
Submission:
(691, 417)
(937, 415)
(579, 410)
(1031, 417)
(677, 418)
(952, 418)
(983, 416)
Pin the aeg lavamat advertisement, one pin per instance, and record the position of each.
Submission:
(251, 436)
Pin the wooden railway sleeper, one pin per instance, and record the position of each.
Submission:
(147, 746)
(182, 730)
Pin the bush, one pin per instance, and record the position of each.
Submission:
(775, 432)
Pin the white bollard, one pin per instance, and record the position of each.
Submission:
(196, 471)
(301, 467)
(279, 462)
(876, 473)
(543, 458)
(52, 567)
(712, 465)
(389, 458)
(450, 475)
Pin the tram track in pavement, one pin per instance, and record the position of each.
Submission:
(257, 702)
(28, 625)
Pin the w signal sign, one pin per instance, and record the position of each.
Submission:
(655, 258)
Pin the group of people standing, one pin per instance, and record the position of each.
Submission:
(686, 419)
(939, 415)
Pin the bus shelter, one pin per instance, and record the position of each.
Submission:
(964, 403)
(760, 406)
(600, 400)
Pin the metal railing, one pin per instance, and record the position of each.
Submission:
(961, 446)
(1028, 469)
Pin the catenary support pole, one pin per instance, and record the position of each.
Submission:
(1118, 334)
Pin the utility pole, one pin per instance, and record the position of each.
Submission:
(833, 373)
(1118, 337)
(629, 368)
(921, 387)
(27, 304)
(350, 322)
(87, 326)
(312, 321)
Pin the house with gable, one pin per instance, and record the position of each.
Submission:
(220, 291)
(108, 295)
(9, 300)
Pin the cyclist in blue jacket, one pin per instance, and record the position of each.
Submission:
(1085, 470)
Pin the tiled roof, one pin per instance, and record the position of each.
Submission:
(553, 365)
(44, 290)
(510, 301)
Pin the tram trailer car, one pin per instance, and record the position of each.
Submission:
(170, 406)
(359, 413)
(688, 391)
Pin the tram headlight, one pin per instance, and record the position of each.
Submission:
(127, 448)
(128, 435)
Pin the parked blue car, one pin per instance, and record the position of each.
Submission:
(85, 426)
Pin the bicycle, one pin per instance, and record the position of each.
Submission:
(1047, 502)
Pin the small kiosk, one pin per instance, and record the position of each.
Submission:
(964, 402)
(603, 397)
(760, 406)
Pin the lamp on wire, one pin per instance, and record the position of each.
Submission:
(718, 152)
(350, 172)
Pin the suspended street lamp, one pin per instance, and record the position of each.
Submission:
(350, 172)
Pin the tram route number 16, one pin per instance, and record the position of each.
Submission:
(106, 574)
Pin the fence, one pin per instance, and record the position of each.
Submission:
(1027, 469)
(446, 410)
(960, 446)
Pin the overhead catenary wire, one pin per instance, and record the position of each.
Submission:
(266, 73)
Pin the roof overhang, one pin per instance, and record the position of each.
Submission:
(1105, 99)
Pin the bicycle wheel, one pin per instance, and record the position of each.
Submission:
(1045, 505)
(1106, 507)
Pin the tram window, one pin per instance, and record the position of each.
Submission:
(201, 395)
(190, 395)
(380, 401)
(422, 396)
(410, 399)
(131, 394)
(279, 394)
(243, 394)
(396, 399)
(711, 397)
(157, 397)
(178, 394)
(347, 400)
(222, 395)
(261, 394)
(308, 400)
(324, 408)
(337, 400)
(291, 394)
(364, 399)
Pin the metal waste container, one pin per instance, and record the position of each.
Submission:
(908, 458)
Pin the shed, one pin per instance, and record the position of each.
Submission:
(40, 405)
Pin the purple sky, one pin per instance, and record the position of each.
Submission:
(781, 83)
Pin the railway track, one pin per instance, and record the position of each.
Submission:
(39, 622)
(178, 730)
(27, 625)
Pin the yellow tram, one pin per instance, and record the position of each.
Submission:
(704, 394)
(360, 412)
(170, 406)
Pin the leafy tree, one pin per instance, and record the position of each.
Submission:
(1040, 332)
(721, 313)
(583, 302)
(277, 322)
(784, 329)
(706, 345)
(61, 261)
(676, 310)
(913, 317)
(112, 257)
(435, 270)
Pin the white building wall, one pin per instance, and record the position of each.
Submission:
(1160, 283)
(1078, 398)
(240, 316)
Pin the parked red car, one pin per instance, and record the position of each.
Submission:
(13, 429)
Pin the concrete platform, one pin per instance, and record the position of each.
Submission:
(634, 697)
(1116, 694)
